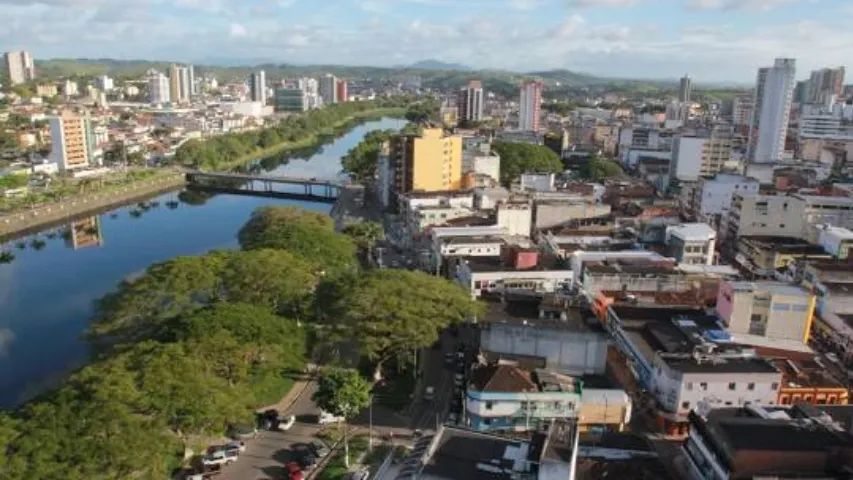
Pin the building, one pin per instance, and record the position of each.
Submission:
(694, 157)
(804, 380)
(774, 257)
(73, 141)
(530, 102)
(179, 84)
(836, 241)
(825, 86)
(289, 99)
(429, 161)
(774, 94)
(685, 88)
(159, 88)
(70, 88)
(691, 243)
(765, 441)
(104, 83)
(20, 67)
(562, 210)
(328, 89)
(47, 90)
(479, 159)
(258, 87)
(824, 127)
(517, 270)
(341, 90)
(774, 310)
(742, 111)
(711, 199)
(469, 102)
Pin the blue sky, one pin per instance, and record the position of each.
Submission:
(713, 40)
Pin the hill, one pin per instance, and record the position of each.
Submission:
(438, 65)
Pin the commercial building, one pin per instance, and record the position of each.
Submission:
(763, 441)
(774, 94)
(530, 102)
(159, 90)
(711, 199)
(518, 270)
(691, 243)
(258, 87)
(694, 157)
(179, 83)
(742, 110)
(804, 380)
(73, 141)
(20, 67)
(685, 88)
(774, 310)
(825, 86)
(469, 102)
(824, 127)
(771, 256)
(429, 161)
(341, 90)
(328, 89)
(104, 83)
(288, 99)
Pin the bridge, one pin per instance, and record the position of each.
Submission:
(298, 188)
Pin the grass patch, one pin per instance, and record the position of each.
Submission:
(335, 469)
(271, 388)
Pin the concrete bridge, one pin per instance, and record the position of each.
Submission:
(310, 189)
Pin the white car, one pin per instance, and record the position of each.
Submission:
(285, 423)
(238, 447)
(362, 474)
(458, 379)
(325, 417)
(429, 394)
(219, 457)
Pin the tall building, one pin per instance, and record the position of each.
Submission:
(530, 106)
(685, 88)
(427, 162)
(695, 157)
(470, 102)
(104, 83)
(774, 93)
(801, 92)
(328, 89)
(291, 99)
(19, 67)
(73, 141)
(258, 87)
(825, 85)
(85, 232)
(158, 88)
(191, 74)
(179, 84)
(341, 90)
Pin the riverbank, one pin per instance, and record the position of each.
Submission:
(316, 138)
(58, 212)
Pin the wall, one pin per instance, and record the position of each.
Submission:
(499, 410)
(771, 215)
(687, 157)
(516, 218)
(538, 281)
(568, 352)
(550, 215)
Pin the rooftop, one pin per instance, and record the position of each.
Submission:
(503, 378)
(497, 264)
(629, 265)
(458, 453)
(693, 232)
(805, 373)
(779, 288)
(784, 245)
(463, 239)
(520, 310)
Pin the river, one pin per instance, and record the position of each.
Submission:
(47, 292)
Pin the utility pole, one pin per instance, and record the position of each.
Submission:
(370, 428)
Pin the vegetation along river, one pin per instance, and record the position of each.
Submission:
(47, 292)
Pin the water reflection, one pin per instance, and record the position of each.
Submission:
(85, 233)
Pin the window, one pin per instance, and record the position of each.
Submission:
(689, 386)
(800, 308)
(489, 405)
(750, 386)
(703, 386)
(728, 404)
(774, 386)
(781, 307)
(732, 386)
(781, 225)
(685, 405)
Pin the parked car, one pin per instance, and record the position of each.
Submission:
(429, 394)
(285, 423)
(319, 448)
(235, 446)
(219, 457)
(458, 379)
(294, 470)
(273, 420)
(305, 458)
(325, 417)
(362, 474)
(242, 432)
(448, 358)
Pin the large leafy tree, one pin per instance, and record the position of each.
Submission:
(277, 279)
(302, 232)
(597, 169)
(518, 158)
(365, 234)
(342, 392)
(393, 312)
(361, 161)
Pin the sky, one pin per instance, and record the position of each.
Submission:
(712, 40)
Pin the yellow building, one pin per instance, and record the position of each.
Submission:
(427, 162)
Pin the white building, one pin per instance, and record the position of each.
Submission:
(479, 159)
(529, 106)
(834, 240)
(328, 89)
(73, 142)
(104, 83)
(248, 109)
(773, 97)
(687, 158)
(712, 198)
(824, 127)
(20, 67)
(158, 88)
(742, 108)
(70, 88)
(538, 182)
(516, 218)
(258, 87)
(691, 243)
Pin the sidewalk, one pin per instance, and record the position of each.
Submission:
(294, 393)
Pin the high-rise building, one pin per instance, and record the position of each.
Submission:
(191, 74)
(104, 83)
(742, 110)
(179, 84)
(341, 93)
(470, 102)
(328, 89)
(825, 85)
(291, 99)
(158, 88)
(73, 141)
(530, 106)
(427, 162)
(685, 88)
(258, 87)
(801, 92)
(774, 93)
(20, 67)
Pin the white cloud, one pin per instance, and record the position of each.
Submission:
(237, 30)
(754, 5)
(601, 3)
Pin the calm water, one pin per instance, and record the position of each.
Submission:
(47, 292)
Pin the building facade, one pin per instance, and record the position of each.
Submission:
(158, 88)
(773, 310)
(328, 89)
(20, 67)
(470, 102)
(426, 162)
(288, 99)
(825, 86)
(774, 95)
(258, 87)
(685, 88)
(73, 141)
(342, 90)
(529, 109)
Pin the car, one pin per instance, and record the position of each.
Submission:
(362, 474)
(833, 358)
(429, 394)
(458, 379)
(305, 458)
(452, 418)
(242, 432)
(219, 457)
(324, 418)
(235, 446)
(448, 358)
(319, 448)
(294, 470)
(285, 423)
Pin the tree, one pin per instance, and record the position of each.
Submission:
(12, 181)
(361, 161)
(597, 169)
(344, 393)
(365, 234)
(394, 312)
(302, 232)
(518, 158)
(421, 113)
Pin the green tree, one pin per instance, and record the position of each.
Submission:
(344, 393)
(518, 158)
(597, 169)
(12, 181)
(302, 232)
(365, 234)
(394, 312)
(422, 112)
(361, 161)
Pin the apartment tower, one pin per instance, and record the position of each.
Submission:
(73, 141)
(427, 162)
(774, 94)
(258, 87)
(158, 88)
(825, 86)
(19, 67)
(685, 89)
(530, 106)
(470, 102)
(341, 90)
(329, 89)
